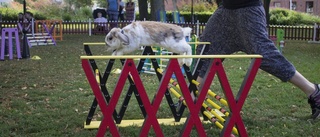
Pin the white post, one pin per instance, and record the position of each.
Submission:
(32, 26)
(198, 28)
(315, 31)
(89, 27)
(290, 4)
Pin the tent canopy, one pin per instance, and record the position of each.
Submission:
(96, 11)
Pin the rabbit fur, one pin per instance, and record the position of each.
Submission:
(148, 33)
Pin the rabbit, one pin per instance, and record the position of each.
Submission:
(148, 33)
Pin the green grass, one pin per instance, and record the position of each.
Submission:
(51, 96)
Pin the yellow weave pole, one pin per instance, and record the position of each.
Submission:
(221, 119)
(216, 122)
(216, 106)
(97, 76)
(211, 93)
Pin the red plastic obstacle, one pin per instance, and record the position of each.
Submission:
(129, 69)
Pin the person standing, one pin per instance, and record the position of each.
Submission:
(240, 25)
(113, 12)
(121, 10)
(130, 11)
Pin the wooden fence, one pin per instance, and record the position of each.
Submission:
(307, 33)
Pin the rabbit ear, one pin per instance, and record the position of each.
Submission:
(124, 38)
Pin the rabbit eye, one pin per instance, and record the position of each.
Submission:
(110, 38)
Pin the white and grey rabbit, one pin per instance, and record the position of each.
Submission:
(149, 33)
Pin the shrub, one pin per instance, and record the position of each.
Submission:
(66, 17)
(279, 16)
(86, 12)
(309, 19)
(8, 14)
(39, 16)
(199, 7)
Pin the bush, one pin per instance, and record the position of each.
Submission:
(309, 19)
(280, 16)
(66, 17)
(39, 16)
(8, 15)
(86, 13)
(199, 7)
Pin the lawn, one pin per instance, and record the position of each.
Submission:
(52, 97)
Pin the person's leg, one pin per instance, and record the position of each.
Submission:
(113, 20)
(311, 90)
(302, 83)
(256, 41)
(220, 32)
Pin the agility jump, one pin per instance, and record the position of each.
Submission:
(130, 71)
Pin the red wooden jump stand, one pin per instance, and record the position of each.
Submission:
(129, 69)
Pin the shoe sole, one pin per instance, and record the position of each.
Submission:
(316, 115)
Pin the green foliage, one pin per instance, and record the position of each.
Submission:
(102, 3)
(309, 19)
(12, 15)
(78, 3)
(8, 14)
(199, 7)
(53, 11)
(66, 17)
(86, 12)
(39, 16)
(279, 16)
(20, 1)
(201, 16)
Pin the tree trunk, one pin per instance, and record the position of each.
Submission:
(266, 4)
(174, 2)
(143, 10)
(156, 5)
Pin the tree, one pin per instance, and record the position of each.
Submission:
(19, 1)
(156, 5)
(143, 9)
(174, 2)
(266, 4)
(79, 3)
(102, 3)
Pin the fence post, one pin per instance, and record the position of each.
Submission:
(315, 34)
(315, 31)
(198, 27)
(32, 27)
(89, 27)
